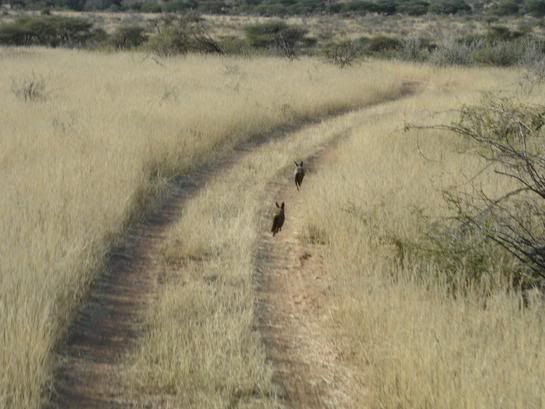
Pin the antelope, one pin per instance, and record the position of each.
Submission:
(278, 220)
(299, 174)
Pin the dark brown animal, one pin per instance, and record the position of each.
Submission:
(299, 174)
(278, 220)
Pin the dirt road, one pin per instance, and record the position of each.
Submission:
(294, 301)
(292, 298)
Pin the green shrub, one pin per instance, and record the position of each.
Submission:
(509, 136)
(128, 37)
(463, 255)
(387, 7)
(415, 48)
(414, 7)
(360, 6)
(179, 6)
(235, 45)
(150, 8)
(381, 44)
(506, 8)
(502, 33)
(16, 34)
(536, 7)
(169, 42)
(450, 7)
(276, 35)
(343, 54)
(334, 8)
(213, 7)
(271, 9)
(454, 53)
(74, 4)
(51, 31)
(182, 35)
(501, 53)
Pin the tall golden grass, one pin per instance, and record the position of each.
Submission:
(84, 160)
(414, 344)
(201, 344)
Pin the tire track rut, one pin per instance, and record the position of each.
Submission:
(292, 304)
(293, 298)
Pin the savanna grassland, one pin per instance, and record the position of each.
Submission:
(89, 141)
(201, 343)
(92, 141)
(416, 338)
(411, 338)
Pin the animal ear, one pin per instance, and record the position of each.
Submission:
(301, 163)
(295, 163)
(276, 203)
(282, 205)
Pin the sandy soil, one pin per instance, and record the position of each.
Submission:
(293, 303)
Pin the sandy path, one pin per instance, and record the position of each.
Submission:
(293, 301)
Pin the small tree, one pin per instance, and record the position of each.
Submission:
(168, 42)
(128, 37)
(276, 35)
(343, 54)
(510, 138)
(182, 35)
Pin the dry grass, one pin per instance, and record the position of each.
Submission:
(201, 345)
(414, 345)
(82, 162)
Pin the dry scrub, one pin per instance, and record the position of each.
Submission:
(413, 343)
(83, 161)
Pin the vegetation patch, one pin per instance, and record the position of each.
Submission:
(434, 301)
(509, 137)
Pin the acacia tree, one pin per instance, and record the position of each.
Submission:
(510, 137)
(278, 36)
(343, 54)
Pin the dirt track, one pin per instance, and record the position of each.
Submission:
(110, 321)
(293, 300)
(292, 295)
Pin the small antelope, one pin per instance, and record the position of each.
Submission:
(278, 220)
(299, 174)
